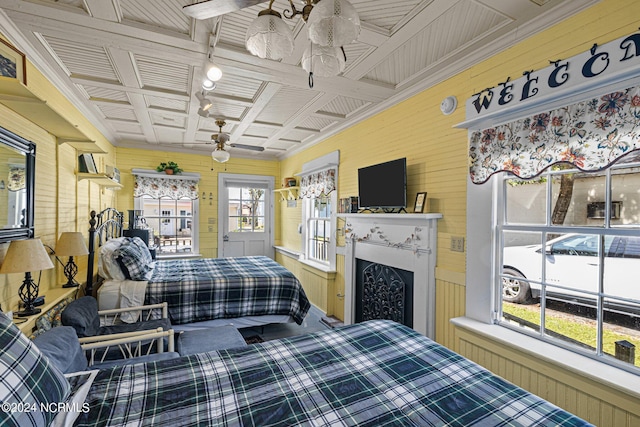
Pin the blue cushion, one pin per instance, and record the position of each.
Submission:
(62, 347)
(82, 315)
(156, 357)
(209, 339)
(27, 377)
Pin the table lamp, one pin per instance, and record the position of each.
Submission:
(25, 256)
(71, 243)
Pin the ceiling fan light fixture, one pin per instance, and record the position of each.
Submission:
(269, 37)
(220, 155)
(333, 23)
(323, 61)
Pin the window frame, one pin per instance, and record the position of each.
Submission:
(307, 218)
(195, 235)
(483, 280)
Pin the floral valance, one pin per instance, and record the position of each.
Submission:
(318, 183)
(173, 188)
(590, 135)
(17, 179)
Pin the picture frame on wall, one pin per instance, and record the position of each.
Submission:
(86, 163)
(13, 63)
(421, 199)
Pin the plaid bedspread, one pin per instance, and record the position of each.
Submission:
(376, 373)
(204, 289)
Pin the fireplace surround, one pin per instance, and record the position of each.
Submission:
(402, 241)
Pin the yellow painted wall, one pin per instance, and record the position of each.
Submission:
(61, 203)
(129, 158)
(437, 163)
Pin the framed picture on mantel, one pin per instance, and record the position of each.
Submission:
(421, 199)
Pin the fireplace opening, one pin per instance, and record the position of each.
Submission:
(383, 292)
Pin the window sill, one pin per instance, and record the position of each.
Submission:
(318, 266)
(288, 252)
(607, 375)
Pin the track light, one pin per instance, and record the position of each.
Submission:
(208, 85)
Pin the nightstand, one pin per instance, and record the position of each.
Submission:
(51, 298)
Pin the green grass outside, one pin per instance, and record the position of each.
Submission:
(582, 332)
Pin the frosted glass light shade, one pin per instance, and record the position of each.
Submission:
(220, 155)
(323, 61)
(269, 37)
(333, 23)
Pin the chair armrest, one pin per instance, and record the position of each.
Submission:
(163, 305)
(129, 344)
(112, 337)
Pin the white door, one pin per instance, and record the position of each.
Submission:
(245, 212)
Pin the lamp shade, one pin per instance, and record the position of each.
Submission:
(25, 256)
(269, 37)
(71, 243)
(220, 155)
(323, 61)
(333, 23)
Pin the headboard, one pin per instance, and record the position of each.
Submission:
(106, 225)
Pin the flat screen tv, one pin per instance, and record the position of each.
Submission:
(383, 186)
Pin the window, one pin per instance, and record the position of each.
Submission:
(246, 209)
(171, 223)
(169, 206)
(318, 235)
(319, 196)
(567, 276)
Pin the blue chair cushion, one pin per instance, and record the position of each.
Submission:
(141, 359)
(61, 346)
(208, 339)
(82, 315)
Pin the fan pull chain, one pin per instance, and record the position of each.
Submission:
(310, 65)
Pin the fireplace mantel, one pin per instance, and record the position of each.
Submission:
(406, 241)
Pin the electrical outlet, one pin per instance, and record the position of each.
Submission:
(457, 244)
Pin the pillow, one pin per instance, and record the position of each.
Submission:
(134, 262)
(27, 377)
(63, 349)
(82, 315)
(108, 266)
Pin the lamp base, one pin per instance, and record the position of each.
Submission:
(27, 312)
(70, 285)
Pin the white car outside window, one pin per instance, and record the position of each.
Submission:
(572, 271)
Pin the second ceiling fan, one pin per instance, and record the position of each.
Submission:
(222, 138)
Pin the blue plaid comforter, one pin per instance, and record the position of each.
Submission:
(204, 289)
(376, 373)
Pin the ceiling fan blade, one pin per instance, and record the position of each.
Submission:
(211, 8)
(247, 147)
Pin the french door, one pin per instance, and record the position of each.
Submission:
(245, 212)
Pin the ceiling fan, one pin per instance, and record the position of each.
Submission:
(210, 8)
(221, 138)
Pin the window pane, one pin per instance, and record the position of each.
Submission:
(522, 266)
(625, 197)
(526, 201)
(573, 194)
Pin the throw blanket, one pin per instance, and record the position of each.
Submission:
(215, 288)
(376, 373)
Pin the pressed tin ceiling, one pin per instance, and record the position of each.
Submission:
(133, 66)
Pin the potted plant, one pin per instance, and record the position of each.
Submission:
(170, 168)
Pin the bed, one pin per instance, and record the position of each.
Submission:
(242, 291)
(374, 373)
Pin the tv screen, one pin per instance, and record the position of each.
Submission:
(383, 185)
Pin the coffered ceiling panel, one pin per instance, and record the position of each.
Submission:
(134, 67)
